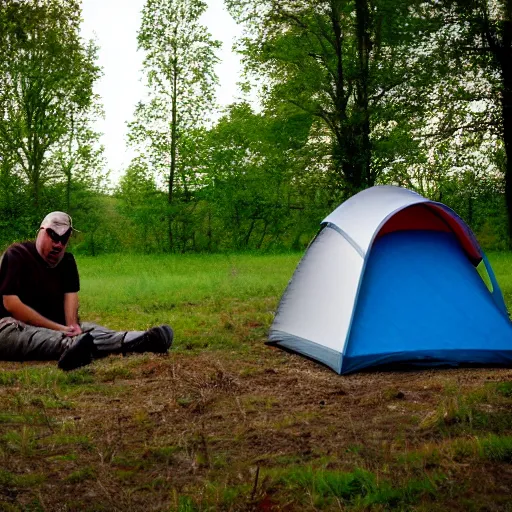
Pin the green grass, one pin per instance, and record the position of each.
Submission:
(198, 294)
(10, 479)
(211, 301)
(43, 377)
(160, 282)
(210, 427)
(497, 448)
(320, 489)
(501, 264)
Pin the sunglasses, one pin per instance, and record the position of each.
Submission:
(63, 239)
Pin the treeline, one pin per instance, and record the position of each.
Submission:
(352, 94)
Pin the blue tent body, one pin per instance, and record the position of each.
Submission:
(404, 284)
(419, 288)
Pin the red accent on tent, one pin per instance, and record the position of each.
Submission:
(432, 217)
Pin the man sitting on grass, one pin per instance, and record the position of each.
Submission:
(39, 287)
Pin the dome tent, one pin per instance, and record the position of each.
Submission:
(393, 278)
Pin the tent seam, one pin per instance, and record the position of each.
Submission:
(348, 238)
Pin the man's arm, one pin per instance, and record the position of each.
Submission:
(71, 312)
(21, 311)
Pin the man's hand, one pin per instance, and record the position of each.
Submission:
(73, 330)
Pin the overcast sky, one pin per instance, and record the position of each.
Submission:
(113, 24)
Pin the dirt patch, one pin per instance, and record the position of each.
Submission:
(198, 426)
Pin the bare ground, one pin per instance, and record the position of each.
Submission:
(216, 430)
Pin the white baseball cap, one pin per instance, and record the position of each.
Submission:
(60, 222)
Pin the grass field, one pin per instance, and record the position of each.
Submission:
(226, 423)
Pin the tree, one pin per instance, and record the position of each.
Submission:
(78, 157)
(46, 75)
(141, 204)
(478, 38)
(179, 64)
(347, 63)
(258, 185)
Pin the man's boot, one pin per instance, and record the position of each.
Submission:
(157, 340)
(101, 342)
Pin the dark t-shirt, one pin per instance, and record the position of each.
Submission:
(24, 273)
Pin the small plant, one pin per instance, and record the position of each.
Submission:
(497, 448)
(461, 449)
(40, 399)
(112, 372)
(8, 479)
(8, 378)
(324, 484)
(22, 441)
(81, 475)
(224, 496)
(163, 454)
(504, 389)
(142, 418)
(455, 412)
(185, 504)
(393, 394)
(427, 457)
(62, 439)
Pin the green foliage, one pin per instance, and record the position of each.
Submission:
(352, 67)
(353, 93)
(179, 65)
(50, 155)
(259, 191)
(47, 75)
(144, 207)
(247, 185)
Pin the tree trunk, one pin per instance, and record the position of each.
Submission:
(340, 155)
(363, 158)
(69, 165)
(352, 152)
(504, 59)
(68, 190)
(209, 229)
(506, 106)
(173, 148)
(35, 192)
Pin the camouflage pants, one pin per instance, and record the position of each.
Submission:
(23, 342)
